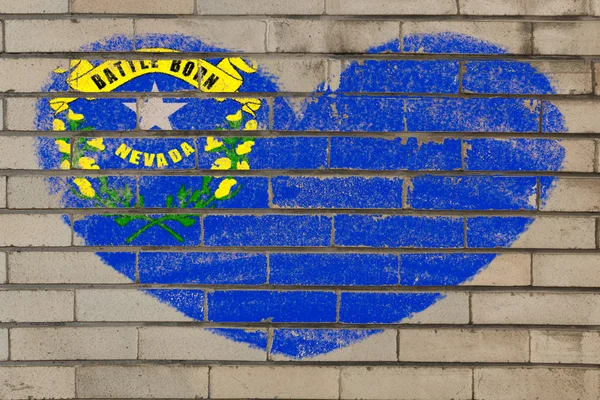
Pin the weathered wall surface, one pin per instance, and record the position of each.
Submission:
(410, 212)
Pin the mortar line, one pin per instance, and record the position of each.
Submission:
(268, 256)
(208, 383)
(541, 290)
(333, 173)
(269, 348)
(398, 345)
(296, 250)
(531, 274)
(205, 305)
(470, 305)
(337, 364)
(137, 267)
(596, 160)
(472, 378)
(264, 325)
(529, 344)
(531, 38)
(266, 33)
(340, 369)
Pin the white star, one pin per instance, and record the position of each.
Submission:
(155, 112)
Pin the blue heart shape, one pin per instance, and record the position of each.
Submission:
(337, 112)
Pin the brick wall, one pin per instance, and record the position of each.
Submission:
(413, 216)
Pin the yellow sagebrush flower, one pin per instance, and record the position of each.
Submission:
(212, 143)
(251, 125)
(74, 116)
(235, 117)
(58, 125)
(85, 187)
(63, 146)
(66, 164)
(242, 165)
(225, 188)
(222, 163)
(97, 143)
(87, 163)
(244, 148)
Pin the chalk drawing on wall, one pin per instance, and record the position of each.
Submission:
(428, 103)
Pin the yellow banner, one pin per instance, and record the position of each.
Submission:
(225, 77)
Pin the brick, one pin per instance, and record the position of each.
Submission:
(571, 270)
(55, 192)
(267, 230)
(81, 343)
(32, 192)
(3, 194)
(28, 74)
(63, 35)
(573, 195)
(36, 306)
(352, 114)
(398, 231)
(284, 152)
(354, 345)
(294, 74)
(235, 35)
(542, 383)
(18, 153)
(142, 381)
(193, 343)
(342, 192)
(405, 383)
(516, 7)
(529, 155)
(203, 268)
(333, 269)
(472, 115)
(536, 308)
(392, 76)
(509, 269)
(266, 382)
(118, 237)
(515, 77)
(254, 195)
(395, 7)
(464, 345)
(34, 7)
(376, 153)
(21, 114)
(453, 269)
(404, 307)
(261, 7)
(3, 268)
(540, 232)
(580, 116)
(3, 344)
(565, 347)
(566, 38)
(472, 193)
(595, 7)
(34, 230)
(63, 267)
(23, 383)
(511, 36)
(275, 306)
(129, 305)
(132, 7)
(326, 36)
(452, 309)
